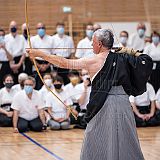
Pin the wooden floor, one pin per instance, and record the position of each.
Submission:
(63, 145)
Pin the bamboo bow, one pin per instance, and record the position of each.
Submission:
(35, 65)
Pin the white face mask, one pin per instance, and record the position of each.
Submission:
(141, 32)
(123, 40)
(84, 78)
(48, 82)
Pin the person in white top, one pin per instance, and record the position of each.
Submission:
(58, 112)
(136, 40)
(47, 77)
(21, 78)
(144, 108)
(42, 40)
(15, 45)
(6, 96)
(148, 41)
(158, 100)
(28, 107)
(5, 58)
(83, 89)
(73, 92)
(74, 81)
(82, 96)
(123, 40)
(27, 63)
(86, 43)
(61, 40)
(153, 50)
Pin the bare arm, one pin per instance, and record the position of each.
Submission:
(82, 99)
(3, 111)
(50, 111)
(9, 56)
(135, 110)
(153, 107)
(15, 118)
(42, 116)
(157, 105)
(61, 62)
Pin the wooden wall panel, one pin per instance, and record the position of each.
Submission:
(50, 12)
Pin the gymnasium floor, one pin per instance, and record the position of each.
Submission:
(63, 145)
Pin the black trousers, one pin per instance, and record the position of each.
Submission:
(5, 69)
(72, 119)
(39, 83)
(20, 70)
(5, 121)
(153, 121)
(33, 125)
(82, 124)
(28, 66)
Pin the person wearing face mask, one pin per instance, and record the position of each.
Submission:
(28, 109)
(82, 96)
(72, 91)
(15, 45)
(21, 78)
(86, 43)
(47, 77)
(57, 111)
(42, 40)
(27, 63)
(74, 80)
(6, 97)
(5, 58)
(136, 40)
(124, 39)
(61, 40)
(153, 50)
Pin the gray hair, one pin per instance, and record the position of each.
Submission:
(31, 79)
(105, 36)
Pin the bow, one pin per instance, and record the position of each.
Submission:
(35, 65)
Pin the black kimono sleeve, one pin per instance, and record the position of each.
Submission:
(140, 69)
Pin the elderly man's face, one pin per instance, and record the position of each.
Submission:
(96, 45)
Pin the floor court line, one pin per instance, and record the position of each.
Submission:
(42, 147)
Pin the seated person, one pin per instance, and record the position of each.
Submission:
(158, 104)
(6, 96)
(58, 112)
(144, 108)
(72, 91)
(21, 78)
(82, 96)
(28, 109)
(49, 82)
